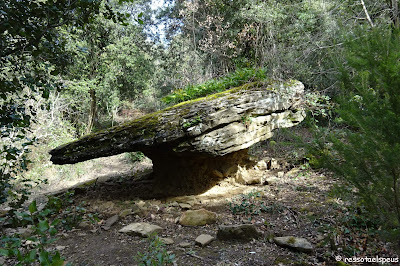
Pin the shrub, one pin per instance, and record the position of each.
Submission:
(156, 255)
(235, 79)
(365, 147)
(44, 223)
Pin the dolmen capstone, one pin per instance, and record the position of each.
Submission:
(195, 144)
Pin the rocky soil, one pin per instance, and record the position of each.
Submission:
(293, 205)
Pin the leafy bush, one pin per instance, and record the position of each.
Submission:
(235, 79)
(43, 232)
(44, 224)
(156, 255)
(365, 147)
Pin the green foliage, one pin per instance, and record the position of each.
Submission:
(246, 120)
(365, 148)
(58, 212)
(195, 121)
(320, 108)
(112, 60)
(235, 79)
(32, 54)
(43, 232)
(251, 204)
(136, 156)
(156, 255)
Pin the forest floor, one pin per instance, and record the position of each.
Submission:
(300, 202)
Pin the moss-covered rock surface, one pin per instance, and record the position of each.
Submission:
(217, 124)
(196, 139)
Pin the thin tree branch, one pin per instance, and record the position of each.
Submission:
(366, 13)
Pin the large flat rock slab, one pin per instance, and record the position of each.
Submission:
(196, 143)
(216, 125)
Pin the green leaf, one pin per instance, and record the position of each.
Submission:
(56, 260)
(55, 222)
(32, 255)
(4, 252)
(53, 231)
(44, 258)
(32, 207)
(43, 226)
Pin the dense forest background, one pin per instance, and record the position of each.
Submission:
(69, 68)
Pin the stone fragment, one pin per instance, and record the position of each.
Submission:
(25, 232)
(185, 206)
(84, 225)
(297, 243)
(273, 164)
(185, 244)
(137, 210)
(142, 205)
(125, 213)
(203, 240)
(261, 165)
(167, 240)
(110, 222)
(198, 217)
(106, 206)
(60, 248)
(239, 232)
(243, 176)
(9, 231)
(141, 229)
(174, 204)
(31, 243)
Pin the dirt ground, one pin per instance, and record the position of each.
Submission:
(298, 202)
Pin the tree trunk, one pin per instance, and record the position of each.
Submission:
(93, 111)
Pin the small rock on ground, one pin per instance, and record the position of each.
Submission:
(185, 244)
(167, 240)
(203, 240)
(185, 206)
(244, 177)
(141, 229)
(297, 243)
(240, 232)
(198, 217)
(84, 225)
(110, 222)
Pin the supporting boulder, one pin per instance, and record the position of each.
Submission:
(197, 143)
